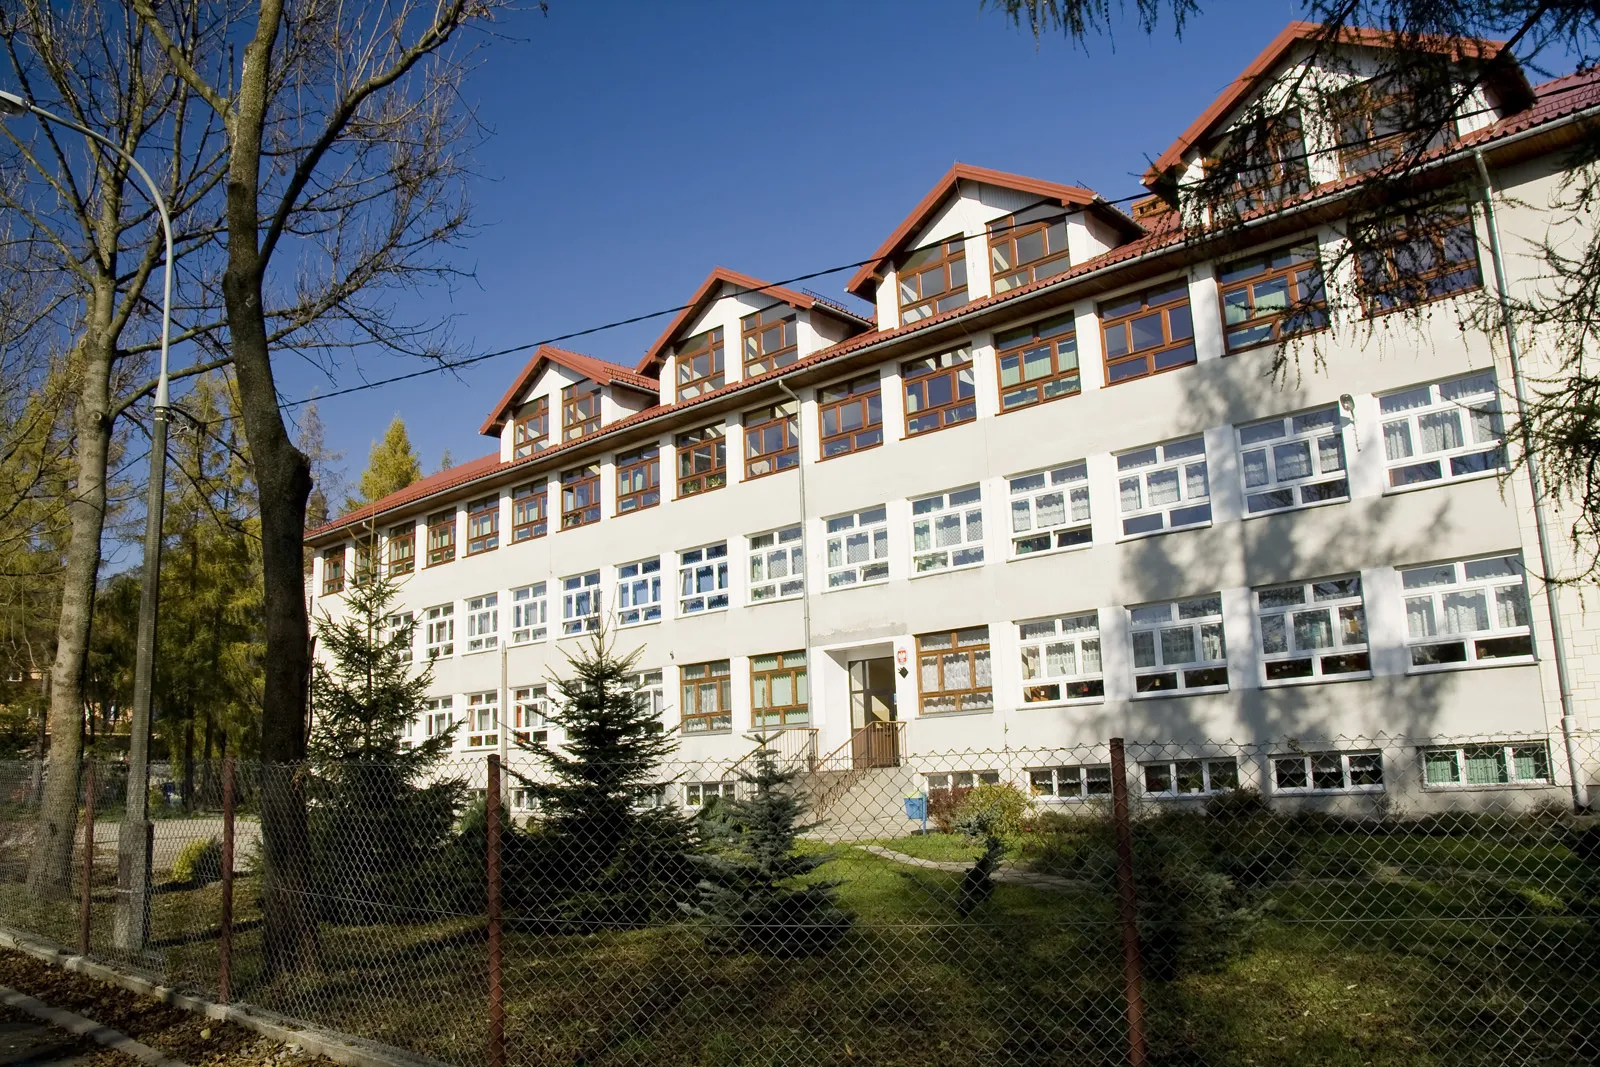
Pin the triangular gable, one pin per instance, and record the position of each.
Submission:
(707, 292)
(1065, 195)
(1507, 78)
(601, 371)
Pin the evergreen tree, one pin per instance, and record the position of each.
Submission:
(391, 465)
(598, 854)
(754, 895)
(383, 812)
(446, 461)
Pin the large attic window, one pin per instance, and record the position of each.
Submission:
(1027, 246)
(770, 339)
(532, 431)
(1380, 121)
(1268, 158)
(700, 364)
(932, 280)
(580, 410)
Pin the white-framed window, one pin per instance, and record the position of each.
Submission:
(958, 780)
(1061, 659)
(1074, 782)
(483, 622)
(699, 794)
(1189, 777)
(703, 579)
(580, 604)
(438, 716)
(530, 714)
(1164, 487)
(947, 530)
(1313, 631)
(1178, 646)
(439, 630)
(1488, 763)
(858, 548)
(395, 625)
(1050, 509)
(483, 719)
(530, 614)
(408, 734)
(1467, 612)
(1328, 772)
(651, 692)
(1443, 431)
(1293, 461)
(777, 565)
(523, 799)
(639, 592)
(651, 796)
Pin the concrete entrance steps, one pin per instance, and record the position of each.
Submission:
(862, 804)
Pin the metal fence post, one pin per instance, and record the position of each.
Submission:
(1127, 906)
(225, 937)
(87, 889)
(497, 1010)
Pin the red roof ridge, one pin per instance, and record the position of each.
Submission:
(958, 172)
(602, 371)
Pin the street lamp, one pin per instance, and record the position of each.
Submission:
(133, 857)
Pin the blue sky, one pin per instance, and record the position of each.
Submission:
(633, 146)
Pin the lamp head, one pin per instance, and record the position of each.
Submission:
(12, 104)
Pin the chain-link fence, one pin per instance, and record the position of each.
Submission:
(1384, 901)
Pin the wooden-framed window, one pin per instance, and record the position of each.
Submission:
(638, 479)
(1272, 295)
(530, 511)
(702, 461)
(531, 432)
(779, 694)
(707, 697)
(1432, 253)
(366, 553)
(1027, 246)
(1269, 159)
(333, 571)
(483, 525)
(580, 496)
(932, 280)
(1147, 332)
(1038, 362)
(851, 415)
(1379, 122)
(441, 537)
(700, 366)
(771, 439)
(954, 672)
(770, 339)
(941, 391)
(402, 549)
(580, 410)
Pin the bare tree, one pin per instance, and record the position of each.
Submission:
(344, 126)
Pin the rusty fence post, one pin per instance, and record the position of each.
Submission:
(87, 889)
(1127, 906)
(497, 1007)
(225, 936)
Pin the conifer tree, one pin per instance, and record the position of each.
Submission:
(754, 894)
(602, 856)
(391, 465)
(446, 461)
(383, 807)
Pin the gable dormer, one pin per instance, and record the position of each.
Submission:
(736, 327)
(563, 396)
(980, 233)
(1318, 105)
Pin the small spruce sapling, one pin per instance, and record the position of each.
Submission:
(754, 896)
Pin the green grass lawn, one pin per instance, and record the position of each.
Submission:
(1404, 951)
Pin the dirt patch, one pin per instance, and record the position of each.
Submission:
(181, 1034)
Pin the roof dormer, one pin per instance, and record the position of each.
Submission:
(563, 396)
(981, 233)
(736, 327)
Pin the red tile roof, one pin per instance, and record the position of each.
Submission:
(1273, 55)
(1065, 195)
(433, 483)
(601, 371)
(707, 290)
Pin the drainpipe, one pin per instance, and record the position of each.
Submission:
(805, 551)
(1569, 720)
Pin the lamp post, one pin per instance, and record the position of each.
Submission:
(133, 858)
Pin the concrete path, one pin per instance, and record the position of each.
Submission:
(1007, 873)
(173, 834)
(26, 1042)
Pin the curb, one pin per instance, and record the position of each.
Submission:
(346, 1049)
(74, 1023)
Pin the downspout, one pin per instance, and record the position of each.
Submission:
(1569, 720)
(805, 551)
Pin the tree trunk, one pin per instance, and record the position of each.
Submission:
(49, 868)
(188, 762)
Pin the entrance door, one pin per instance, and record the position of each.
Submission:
(872, 713)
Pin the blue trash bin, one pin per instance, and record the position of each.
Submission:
(917, 809)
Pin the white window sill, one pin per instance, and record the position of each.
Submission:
(1307, 792)
(480, 651)
(947, 570)
(1479, 665)
(1462, 787)
(952, 714)
(1248, 515)
(1476, 476)
(1324, 679)
(1183, 796)
(1047, 704)
(1164, 530)
(641, 622)
(1167, 694)
(1014, 557)
(583, 633)
(523, 644)
(773, 600)
(697, 614)
(857, 585)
